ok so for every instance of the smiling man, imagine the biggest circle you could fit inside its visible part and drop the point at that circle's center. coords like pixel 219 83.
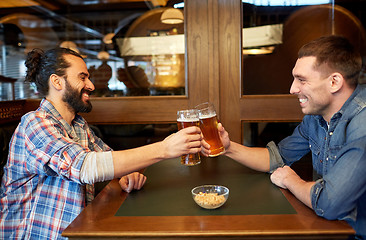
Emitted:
pixel 326 83
pixel 54 156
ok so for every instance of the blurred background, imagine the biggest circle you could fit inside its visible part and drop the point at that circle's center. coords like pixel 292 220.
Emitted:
pixel 150 58
pixel 131 50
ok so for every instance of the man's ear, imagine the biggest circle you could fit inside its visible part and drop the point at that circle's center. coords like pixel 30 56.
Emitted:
pixel 336 82
pixel 56 82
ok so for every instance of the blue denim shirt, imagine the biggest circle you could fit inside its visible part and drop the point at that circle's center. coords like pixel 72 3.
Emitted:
pixel 339 157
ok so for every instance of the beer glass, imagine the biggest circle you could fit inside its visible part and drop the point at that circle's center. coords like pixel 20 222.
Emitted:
pixel 208 125
pixel 187 118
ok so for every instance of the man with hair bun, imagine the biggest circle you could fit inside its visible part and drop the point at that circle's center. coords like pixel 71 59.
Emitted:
pixel 54 156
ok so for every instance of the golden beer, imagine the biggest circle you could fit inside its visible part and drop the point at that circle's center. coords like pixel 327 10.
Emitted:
pixel 188 118
pixel 209 130
pixel 208 125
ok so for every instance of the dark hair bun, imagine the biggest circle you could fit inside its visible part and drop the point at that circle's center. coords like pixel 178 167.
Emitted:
pixel 32 63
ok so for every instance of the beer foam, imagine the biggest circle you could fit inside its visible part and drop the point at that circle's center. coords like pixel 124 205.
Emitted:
pixel 193 119
pixel 204 116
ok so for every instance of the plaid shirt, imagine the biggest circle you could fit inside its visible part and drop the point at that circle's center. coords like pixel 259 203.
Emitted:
pixel 41 192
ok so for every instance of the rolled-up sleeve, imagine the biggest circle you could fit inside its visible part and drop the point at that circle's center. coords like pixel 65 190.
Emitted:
pixel 51 151
pixel 315 192
pixel 335 195
pixel 275 158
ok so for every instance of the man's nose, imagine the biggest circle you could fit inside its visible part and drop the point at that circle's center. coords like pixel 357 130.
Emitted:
pixel 294 89
pixel 90 86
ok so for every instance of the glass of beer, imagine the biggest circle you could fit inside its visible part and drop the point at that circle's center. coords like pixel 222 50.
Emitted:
pixel 208 125
pixel 187 118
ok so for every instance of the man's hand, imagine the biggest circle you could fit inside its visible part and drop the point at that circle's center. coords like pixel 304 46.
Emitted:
pixel 287 178
pixel 132 181
pixel 205 148
pixel 224 136
pixel 185 141
pixel 279 176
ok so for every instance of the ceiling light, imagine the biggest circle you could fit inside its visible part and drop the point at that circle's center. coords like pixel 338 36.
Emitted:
pixel 258 51
pixel 103 55
pixel 69 44
pixel 107 39
pixel 262 39
pixel 172 16
pixel 266 35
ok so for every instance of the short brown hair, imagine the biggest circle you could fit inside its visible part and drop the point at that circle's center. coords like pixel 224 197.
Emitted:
pixel 337 53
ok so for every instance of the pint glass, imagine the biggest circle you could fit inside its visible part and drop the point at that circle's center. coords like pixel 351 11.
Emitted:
pixel 208 125
pixel 187 118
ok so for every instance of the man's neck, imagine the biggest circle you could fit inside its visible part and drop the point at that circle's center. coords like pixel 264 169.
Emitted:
pixel 63 109
pixel 339 100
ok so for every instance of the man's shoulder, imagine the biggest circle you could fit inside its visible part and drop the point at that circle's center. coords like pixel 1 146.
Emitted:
pixel 360 101
pixel 356 105
pixel 356 124
pixel 34 117
pixel 362 93
pixel 360 116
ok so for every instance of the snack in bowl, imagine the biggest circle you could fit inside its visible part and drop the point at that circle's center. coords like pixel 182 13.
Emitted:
pixel 210 196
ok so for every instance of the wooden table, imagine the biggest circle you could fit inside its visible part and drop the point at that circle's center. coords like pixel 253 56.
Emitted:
pixel 164 209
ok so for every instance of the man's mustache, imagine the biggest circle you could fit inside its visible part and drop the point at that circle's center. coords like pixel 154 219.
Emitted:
pixel 86 91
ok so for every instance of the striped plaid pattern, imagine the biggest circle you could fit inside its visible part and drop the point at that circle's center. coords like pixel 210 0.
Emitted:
pixel 41 192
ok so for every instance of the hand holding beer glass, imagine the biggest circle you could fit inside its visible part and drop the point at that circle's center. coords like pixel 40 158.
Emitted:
pixel 188 118
pixel 208 124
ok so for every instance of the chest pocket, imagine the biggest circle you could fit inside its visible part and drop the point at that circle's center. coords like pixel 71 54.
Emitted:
pixel 332 158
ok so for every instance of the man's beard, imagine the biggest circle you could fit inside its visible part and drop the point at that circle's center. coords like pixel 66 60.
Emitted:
pixel 74 99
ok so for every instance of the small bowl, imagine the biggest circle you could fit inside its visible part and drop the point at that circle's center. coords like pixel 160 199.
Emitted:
pixel 210 196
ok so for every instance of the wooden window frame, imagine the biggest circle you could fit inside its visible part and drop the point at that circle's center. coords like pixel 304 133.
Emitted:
pixel 213 73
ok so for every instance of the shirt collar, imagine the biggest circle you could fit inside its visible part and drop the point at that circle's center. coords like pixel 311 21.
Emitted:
pixel 349 100
pixel 48 107
pixel 356 102
pixel 321 121
pixel 347 106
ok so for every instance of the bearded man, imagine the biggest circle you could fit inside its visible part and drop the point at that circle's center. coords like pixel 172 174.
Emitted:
pixel 54 156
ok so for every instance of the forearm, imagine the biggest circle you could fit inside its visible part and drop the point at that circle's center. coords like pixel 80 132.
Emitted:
pixel 185 141
pixel 130 160
pixel 252 157
pixel 300 188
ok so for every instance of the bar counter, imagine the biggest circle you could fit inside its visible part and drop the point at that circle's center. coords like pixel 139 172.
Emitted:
pixel 164 208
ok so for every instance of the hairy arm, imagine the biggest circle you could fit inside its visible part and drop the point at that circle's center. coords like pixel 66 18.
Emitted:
pixel 187 140
pixel 252 157
pixel 286 178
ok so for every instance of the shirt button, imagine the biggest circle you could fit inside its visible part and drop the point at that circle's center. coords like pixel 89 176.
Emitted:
pixel 321 161
pixel 327 159
pixel 331 133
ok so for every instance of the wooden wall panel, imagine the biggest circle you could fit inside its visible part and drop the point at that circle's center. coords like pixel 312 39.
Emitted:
pixel 130 109
pixel 136 110
pixel 230 57
pixel 213 34
pixel 272 108
pixel 214 56
pixel 197 51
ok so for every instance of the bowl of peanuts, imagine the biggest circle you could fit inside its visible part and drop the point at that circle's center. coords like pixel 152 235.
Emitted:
pixel 210 196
